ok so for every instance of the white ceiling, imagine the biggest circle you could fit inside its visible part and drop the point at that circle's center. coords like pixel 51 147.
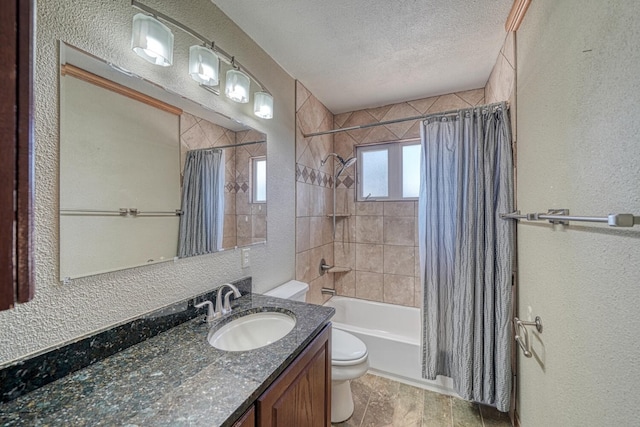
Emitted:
pixel 354 54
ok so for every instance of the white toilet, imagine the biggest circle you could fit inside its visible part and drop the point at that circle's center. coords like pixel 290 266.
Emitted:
pixel 349 357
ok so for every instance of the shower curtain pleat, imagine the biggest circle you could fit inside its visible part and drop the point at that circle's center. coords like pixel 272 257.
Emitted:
pixel 466 252
pixel 201 223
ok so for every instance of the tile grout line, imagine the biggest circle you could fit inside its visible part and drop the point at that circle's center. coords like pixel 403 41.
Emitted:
pixel 451 407
pixel 364 413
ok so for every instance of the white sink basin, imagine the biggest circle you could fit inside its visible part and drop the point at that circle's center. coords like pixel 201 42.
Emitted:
pixel 251 331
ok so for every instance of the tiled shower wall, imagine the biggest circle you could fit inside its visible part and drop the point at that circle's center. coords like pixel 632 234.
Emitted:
pixel 502 87
pixel 244 222
pixel 502 81
pixel 314 235
pixel 377 240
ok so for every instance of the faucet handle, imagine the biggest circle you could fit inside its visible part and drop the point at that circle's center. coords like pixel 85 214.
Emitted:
pixel 226 308
pixel 210 313
pixel 223 309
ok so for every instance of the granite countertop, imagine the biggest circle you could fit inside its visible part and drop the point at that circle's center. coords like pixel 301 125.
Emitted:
pixel 175 378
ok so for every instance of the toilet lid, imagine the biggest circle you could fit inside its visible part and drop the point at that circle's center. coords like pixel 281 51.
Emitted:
pixel 345 347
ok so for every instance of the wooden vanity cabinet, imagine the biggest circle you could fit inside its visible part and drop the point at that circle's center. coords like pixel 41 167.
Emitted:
pixel 248 419
pixel 301 396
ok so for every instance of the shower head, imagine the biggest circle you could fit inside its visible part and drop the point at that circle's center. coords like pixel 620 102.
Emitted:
pixel 348 162
pixel 345 164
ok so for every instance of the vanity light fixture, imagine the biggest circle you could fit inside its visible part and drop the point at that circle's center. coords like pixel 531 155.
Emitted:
pixel 152 40
pixel 237 85
pixel 204 65
pixel 263 105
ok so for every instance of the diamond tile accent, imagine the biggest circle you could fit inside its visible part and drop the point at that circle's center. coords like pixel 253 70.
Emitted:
pixel 244 187
pixel 236 187
pixel 348 181
pixel 312 175
pixel 305 174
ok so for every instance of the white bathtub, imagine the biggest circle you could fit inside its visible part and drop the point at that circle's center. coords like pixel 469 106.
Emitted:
pixel 392 335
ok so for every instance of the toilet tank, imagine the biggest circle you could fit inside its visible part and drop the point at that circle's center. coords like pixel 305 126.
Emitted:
pixel 293 290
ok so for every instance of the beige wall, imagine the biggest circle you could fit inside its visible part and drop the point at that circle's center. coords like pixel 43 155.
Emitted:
pixel 578 92
pixel 61 313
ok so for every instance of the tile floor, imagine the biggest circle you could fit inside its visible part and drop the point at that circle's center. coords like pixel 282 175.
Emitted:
pixel 382 402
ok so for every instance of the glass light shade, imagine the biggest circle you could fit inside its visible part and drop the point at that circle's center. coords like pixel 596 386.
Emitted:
pixel 203 65
pixel 263 105
pixel 237 86
pixel 152 40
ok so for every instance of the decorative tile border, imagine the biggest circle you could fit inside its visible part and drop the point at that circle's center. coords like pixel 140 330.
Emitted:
pixel 29 374
pixel 236 187
pixel 322 179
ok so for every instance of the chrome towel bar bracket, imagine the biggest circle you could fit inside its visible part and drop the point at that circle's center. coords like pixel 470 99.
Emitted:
pixel 523 340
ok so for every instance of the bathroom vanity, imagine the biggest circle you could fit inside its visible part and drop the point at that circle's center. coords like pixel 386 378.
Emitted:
pixel 301 395
pixel 178 378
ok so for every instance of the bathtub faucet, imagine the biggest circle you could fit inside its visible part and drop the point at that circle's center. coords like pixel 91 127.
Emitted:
pixel 328 291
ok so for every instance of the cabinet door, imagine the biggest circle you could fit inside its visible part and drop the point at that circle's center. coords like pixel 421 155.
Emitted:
pixel 16 153
pixel 248 419
pixel 301 396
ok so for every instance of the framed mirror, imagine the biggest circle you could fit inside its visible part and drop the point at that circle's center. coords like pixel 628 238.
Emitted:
pixel 148 176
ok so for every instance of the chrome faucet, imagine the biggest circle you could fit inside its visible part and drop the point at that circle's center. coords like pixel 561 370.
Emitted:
pixel 221 308
pixel 226 307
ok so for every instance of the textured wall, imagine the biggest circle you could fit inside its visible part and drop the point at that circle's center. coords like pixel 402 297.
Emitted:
pixel 578 107
pixel 103 27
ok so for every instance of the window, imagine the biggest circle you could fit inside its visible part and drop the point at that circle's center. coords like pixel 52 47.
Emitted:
pixel 259 179
pixel 389 171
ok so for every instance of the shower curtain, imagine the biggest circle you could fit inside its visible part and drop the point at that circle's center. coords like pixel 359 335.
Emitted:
pixel 201 223
pixel 466 252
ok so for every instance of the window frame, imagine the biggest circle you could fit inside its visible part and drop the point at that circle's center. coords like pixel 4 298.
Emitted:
pixel 394 166
pixel 254 176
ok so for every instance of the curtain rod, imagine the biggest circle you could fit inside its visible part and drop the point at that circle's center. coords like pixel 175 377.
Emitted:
pixel 406 119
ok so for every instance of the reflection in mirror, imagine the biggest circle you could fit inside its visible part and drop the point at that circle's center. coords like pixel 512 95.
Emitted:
pixel 147 175
pixel 245 217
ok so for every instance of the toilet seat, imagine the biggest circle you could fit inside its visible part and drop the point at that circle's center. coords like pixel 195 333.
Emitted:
pixel 347 349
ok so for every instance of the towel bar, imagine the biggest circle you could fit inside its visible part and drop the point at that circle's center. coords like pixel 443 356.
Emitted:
pixel 525 344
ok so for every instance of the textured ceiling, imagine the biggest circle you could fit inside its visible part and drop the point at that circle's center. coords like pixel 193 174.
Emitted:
pixel 354 54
